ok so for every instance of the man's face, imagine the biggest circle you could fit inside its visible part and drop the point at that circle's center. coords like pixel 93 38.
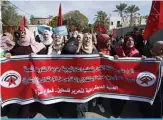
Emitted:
pixel 160 51
pixel 46 35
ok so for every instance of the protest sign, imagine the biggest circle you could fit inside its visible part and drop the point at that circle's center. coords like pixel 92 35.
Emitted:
pixel 52 79
pixel 62 30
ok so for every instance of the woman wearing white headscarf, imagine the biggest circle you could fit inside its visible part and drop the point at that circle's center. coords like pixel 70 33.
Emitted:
pixel 87 45
pixel 27 45
pixel 46 38
pixel 56 47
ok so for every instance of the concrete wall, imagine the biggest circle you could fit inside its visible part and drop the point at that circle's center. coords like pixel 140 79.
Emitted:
pixel 42 21
pixel 123 31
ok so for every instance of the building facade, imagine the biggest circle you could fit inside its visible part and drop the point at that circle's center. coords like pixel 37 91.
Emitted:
pixel 41 21
pixel 116 22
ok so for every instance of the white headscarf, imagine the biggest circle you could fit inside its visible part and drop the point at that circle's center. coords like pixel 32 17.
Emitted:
pixel 30 40
pixel 89 48
pixel 55 48
pixel 49 41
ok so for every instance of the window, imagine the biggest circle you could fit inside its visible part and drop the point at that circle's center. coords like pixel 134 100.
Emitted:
pixel 118 24
pixel 111 23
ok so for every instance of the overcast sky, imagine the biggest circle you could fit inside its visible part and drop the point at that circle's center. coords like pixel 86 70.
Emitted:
pixel 88 8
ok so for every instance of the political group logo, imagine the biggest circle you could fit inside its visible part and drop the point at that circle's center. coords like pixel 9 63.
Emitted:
pixel 10 79
pixel 146 79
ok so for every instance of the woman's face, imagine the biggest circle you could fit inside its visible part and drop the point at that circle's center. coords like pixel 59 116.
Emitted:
pixel 108 43
pixel 57 39
pixel 79 39
pixel 46 35
pixel 22 34
pixel 87 39
pixel 130 42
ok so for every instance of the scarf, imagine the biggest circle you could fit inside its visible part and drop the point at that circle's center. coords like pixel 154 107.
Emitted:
pixel 89 48
pixel 30 40
pixel 6 43
pixel 9 35
pixel 102 46
pixel 49 41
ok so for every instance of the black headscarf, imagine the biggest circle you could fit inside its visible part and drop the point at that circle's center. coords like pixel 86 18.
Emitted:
pixel 70 47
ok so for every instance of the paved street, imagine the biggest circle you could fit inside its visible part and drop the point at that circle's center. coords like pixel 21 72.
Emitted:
pixel 130 110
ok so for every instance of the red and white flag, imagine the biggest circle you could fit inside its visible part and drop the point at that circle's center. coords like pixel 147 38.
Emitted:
pixel 60 16
pixel 155 19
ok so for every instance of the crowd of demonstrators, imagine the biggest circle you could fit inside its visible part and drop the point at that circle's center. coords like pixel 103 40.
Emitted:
pixel 25 42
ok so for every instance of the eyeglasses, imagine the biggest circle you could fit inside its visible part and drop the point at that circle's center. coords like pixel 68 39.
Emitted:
pixel 22 32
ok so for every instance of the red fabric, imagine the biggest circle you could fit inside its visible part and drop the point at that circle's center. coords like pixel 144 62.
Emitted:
pixel 22 25
pixel 102 46
pixel 123 51
pixel 98 28
pixel 131 52
pixel 114 32
pixel 104 30
pixel 119 51
pixel 155 19
pixel 60 16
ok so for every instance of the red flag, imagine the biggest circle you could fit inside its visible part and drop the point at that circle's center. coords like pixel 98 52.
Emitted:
pixel 60 16
pixel 114 32
pixel 98 28
pixel 155 19
pixel 22 25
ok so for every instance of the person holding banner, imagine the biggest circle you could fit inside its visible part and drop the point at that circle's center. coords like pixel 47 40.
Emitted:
pixel 87 48
pixel 128 49
pixel 104 45
pixel 87 45
pixel 105 48
pixel 57 45
pixel 155 110
pixel 27 45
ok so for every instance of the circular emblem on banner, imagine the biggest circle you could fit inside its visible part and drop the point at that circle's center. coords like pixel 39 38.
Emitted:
pixel 146 79
pixel 10 79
